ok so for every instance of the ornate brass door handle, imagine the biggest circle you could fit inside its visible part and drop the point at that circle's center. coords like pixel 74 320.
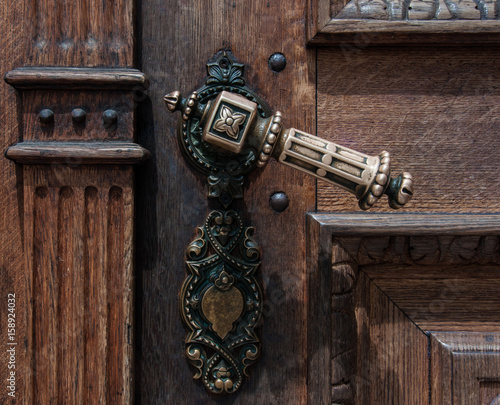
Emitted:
pixel 231 123
pixel 226 131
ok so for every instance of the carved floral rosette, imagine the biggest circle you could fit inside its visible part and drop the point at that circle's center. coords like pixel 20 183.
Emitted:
pixel 221 301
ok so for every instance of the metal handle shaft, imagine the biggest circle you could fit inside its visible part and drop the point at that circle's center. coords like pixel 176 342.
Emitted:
pixel 368 177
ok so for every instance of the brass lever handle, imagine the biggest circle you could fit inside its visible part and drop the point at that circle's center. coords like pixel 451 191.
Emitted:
pixel 230 122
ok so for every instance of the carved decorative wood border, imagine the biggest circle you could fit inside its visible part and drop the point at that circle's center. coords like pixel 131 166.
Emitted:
pixel 360 23
pixel 78 208
pixel 337 245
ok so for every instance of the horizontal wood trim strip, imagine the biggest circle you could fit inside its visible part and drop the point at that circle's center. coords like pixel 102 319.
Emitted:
pixel 419 26
pixel 409 224
pixel 365 32
pixel 76 78
pixel 75 153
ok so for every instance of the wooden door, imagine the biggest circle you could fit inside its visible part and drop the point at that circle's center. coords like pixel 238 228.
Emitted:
pixel 377 308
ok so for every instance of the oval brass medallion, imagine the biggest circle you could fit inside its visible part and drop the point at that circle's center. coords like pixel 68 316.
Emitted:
pixel 222 308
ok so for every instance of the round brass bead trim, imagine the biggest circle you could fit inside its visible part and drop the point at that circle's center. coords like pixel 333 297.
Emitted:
pixel 191 102
pixel 380 184
pixel 273 132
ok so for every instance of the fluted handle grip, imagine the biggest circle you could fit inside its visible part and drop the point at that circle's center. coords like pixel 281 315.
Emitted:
pixel 230 122
pixel 368 177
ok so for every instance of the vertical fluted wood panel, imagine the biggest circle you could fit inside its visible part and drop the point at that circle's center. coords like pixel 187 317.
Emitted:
pixel 70 303
pixel 73 353
pixel 115 283
pixel 80 239
pixel 45 296
pixel 96 305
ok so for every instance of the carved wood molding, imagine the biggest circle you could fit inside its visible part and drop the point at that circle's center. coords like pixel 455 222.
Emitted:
pixel 424 250
pixel 466 368
pixel 103 79
pixel 75 153
pixel 340 243
pixel 344 329
pixel 360 23
pixel 65 118
pixel 78 206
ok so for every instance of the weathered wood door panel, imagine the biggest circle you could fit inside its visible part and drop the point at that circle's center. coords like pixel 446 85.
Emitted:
pixel 414 308
pixel 177 40
pixel 12 278
pixel 67 208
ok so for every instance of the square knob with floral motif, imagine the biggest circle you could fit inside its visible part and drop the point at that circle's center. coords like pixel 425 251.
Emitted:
pixel 229 121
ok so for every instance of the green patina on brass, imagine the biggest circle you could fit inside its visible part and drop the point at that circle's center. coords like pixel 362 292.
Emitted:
pixel 221 301
pixel 224 169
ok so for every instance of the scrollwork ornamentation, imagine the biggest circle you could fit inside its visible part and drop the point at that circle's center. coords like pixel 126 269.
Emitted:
pixel 251 353
pixel 225 187
pixel 196 354
pixel 198 247
pixel 221 302
pixel 250 249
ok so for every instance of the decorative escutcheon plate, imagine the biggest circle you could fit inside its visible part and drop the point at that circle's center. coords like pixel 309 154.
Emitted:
pixel 221 301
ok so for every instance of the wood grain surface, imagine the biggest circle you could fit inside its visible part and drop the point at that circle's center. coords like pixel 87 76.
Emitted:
pixel 434 109
pixel 79 33
pixel 344 329
pixel 76 78
pixel 325 312
pixel 390 291
pixel 177 39
pixel 377 225
pixel 77 153
pixel 73 271
pixel 78 263
pixel 78 252
pixel 443 298
pixel 362 348
pixel 392 360
pixel 12 274
pixel 64 128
